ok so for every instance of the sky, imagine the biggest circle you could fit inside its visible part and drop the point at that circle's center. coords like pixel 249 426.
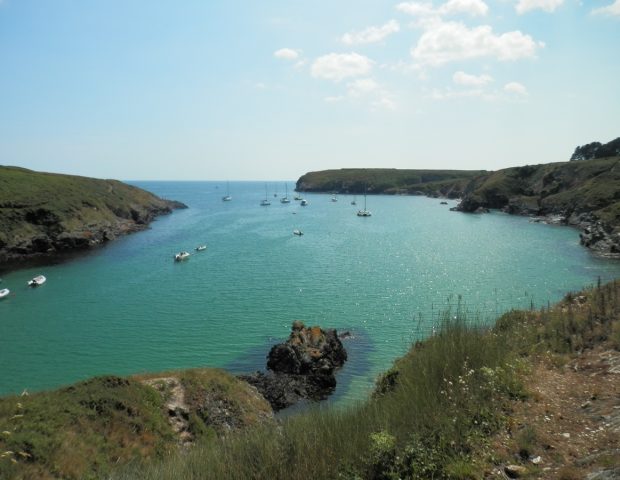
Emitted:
pixel 232 90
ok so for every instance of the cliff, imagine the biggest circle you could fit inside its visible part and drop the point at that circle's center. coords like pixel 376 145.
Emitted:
pixel 44 214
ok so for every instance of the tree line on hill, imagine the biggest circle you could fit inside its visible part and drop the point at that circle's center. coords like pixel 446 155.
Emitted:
pixel 596 150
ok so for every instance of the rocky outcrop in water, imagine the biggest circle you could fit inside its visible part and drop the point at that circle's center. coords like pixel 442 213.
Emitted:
pixel 303 367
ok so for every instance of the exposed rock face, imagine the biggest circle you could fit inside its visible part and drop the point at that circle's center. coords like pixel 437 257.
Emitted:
pixel 303 367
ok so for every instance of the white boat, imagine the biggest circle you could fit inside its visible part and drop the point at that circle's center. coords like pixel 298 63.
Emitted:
pixel 297 232
pixel 265 202
pixel 304 202
pixel 181 256
pixel 36 281
pixel 364 213
pixel 334 198
pixel 4 292
pixel 200 248
pixel 298 197
pixel 227 197
pixel 285 198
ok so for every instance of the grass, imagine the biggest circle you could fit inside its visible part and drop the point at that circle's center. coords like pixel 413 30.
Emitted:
pixel 85 430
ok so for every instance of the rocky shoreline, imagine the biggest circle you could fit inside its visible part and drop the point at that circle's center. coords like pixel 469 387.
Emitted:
pixel 52 241
pixel 302 368
pixel 599 237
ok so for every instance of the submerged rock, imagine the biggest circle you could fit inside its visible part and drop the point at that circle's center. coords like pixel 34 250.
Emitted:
pixel 303 367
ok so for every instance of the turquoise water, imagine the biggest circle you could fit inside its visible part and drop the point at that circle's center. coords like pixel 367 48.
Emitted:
pixel 128 308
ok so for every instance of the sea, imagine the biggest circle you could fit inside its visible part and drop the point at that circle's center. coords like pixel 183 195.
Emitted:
pixel 387 280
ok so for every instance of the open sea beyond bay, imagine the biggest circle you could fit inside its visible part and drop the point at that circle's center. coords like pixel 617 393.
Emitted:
pixel 129 308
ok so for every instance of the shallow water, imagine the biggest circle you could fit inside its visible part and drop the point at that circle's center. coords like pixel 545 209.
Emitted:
pixel 128 308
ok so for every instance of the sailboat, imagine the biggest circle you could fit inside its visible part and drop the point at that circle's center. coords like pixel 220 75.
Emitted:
pixel 334 198
pixel 227 197
pixel 285 198
pixel 265 202
pixel 354 202
pixel 364 213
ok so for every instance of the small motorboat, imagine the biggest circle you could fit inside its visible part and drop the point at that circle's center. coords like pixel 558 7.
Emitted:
pixel 200 248
pixel 298 197
pixel 37 281
pixel 334 198
pixel 181 256
pixel 297 232
pixel 304 202
pixel 4 292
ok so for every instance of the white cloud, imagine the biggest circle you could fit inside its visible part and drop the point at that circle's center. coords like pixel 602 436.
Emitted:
pixel 361 87
pixel 337 66
pixel 474 8
pixel 371 34
pixel 444 42
pixel 613 9
pixel 418 9
pixel 450 94
pixel 547 5
pixel 452 7
pixel 286 54
pixel 462 78
pixel 516 88
pixel 366 91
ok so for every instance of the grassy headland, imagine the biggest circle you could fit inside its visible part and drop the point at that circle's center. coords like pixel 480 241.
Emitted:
pixel 451 408
pixel 45 213
pixel 389 181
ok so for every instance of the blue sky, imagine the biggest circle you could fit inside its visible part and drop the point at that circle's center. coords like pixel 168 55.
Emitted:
pixel 214 89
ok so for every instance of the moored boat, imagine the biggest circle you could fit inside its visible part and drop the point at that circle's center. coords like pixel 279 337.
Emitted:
pixel 181 256
pixel 297 232
pixel 36 281
pixel 304 202
pixel 4 292
pixel 200 248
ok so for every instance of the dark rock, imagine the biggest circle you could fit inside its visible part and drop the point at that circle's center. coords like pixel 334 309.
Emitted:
pixel 303 367
pixel 482 210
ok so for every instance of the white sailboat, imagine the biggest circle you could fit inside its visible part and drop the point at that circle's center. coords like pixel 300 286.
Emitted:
pixel 227 197
pixel 4 292
pixel 285 198
pixel 334 198
pixel 365 212
pixel 265 202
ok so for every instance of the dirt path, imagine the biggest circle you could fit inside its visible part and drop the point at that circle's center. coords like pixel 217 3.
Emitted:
pixel 569 427
pixel 178 411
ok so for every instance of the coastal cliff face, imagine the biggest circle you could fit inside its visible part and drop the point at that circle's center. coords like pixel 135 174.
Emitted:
pixel 584 194
pixel 43 214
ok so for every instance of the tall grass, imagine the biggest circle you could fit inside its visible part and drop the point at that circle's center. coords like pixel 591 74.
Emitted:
pixel 426 415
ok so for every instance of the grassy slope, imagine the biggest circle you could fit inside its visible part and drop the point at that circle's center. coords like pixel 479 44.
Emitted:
pixel 384 180
pixel 434 414
pixel 82 431
pixel 35 203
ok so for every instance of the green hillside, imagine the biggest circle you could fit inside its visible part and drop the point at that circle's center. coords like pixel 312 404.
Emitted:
pixel 45 213
pixel 387 181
